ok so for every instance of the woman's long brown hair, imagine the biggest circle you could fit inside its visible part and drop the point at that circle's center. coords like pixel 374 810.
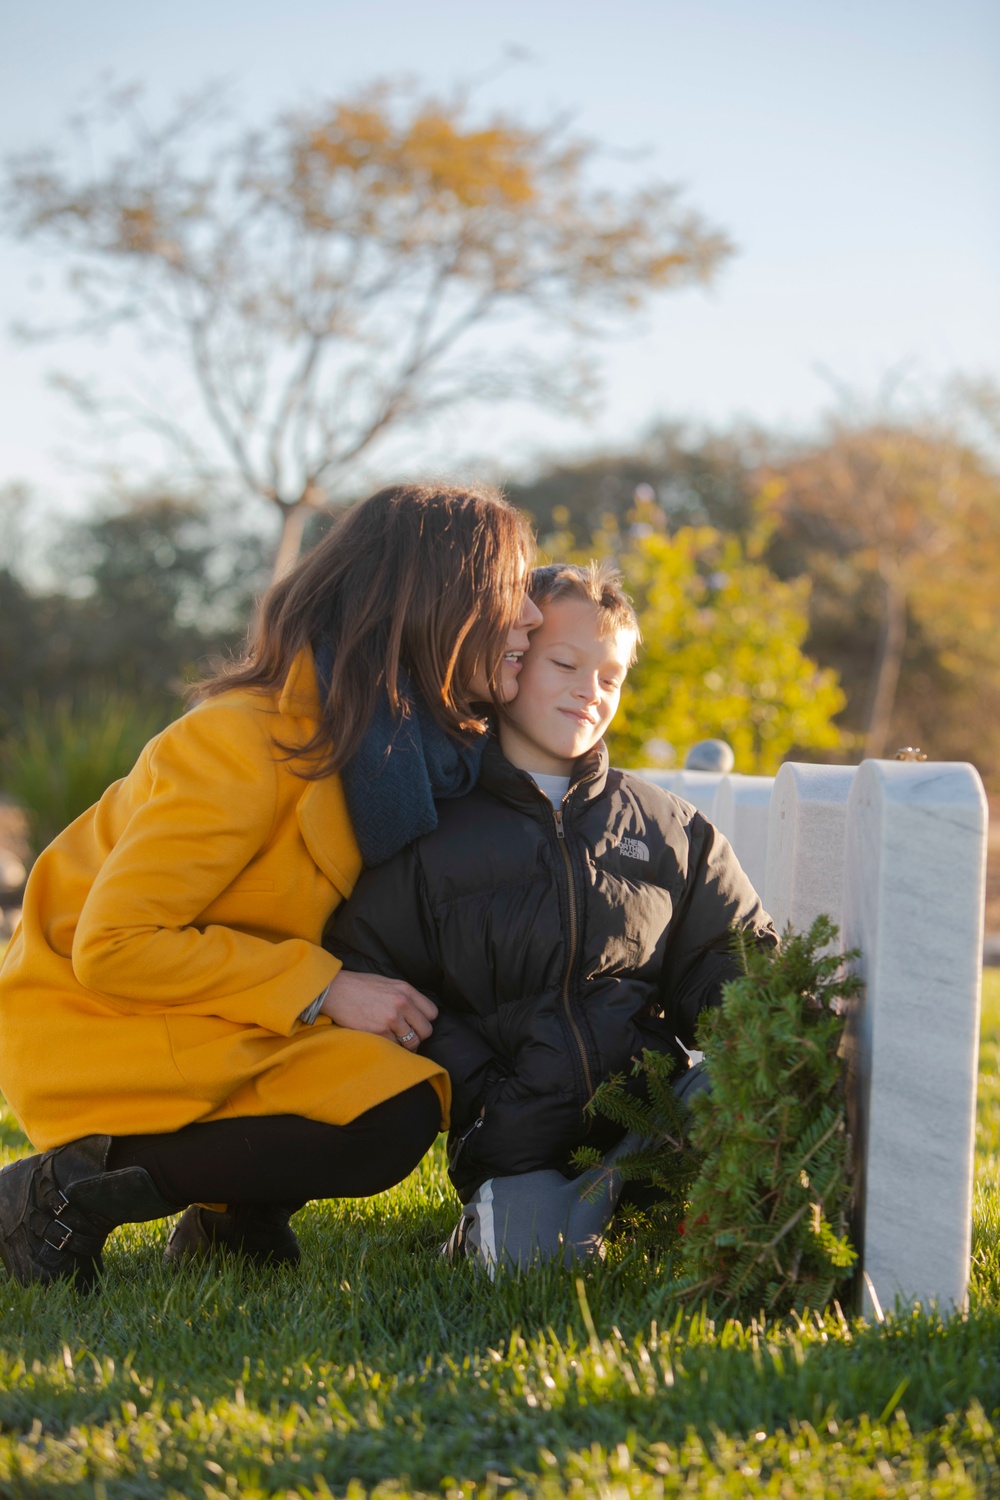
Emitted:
pixel 423 577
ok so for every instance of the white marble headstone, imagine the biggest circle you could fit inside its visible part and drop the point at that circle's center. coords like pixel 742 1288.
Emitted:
pixel 913 903
pixel 742 807
pixel 700 788
pixel 805 844
pixel 667 779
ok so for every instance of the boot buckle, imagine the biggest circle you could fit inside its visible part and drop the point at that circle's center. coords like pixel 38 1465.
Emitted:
pixel 67 1235
pixel 57 1223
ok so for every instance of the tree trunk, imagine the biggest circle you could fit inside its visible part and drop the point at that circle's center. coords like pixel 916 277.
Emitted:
pixel 293 524
pixel 888 664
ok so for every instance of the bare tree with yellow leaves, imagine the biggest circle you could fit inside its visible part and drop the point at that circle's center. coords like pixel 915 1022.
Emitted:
pixel 347 270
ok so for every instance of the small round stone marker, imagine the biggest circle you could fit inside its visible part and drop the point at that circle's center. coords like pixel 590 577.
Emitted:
pixel 710 755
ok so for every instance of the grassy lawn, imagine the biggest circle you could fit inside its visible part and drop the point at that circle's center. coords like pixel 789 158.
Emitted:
pixel 378 1369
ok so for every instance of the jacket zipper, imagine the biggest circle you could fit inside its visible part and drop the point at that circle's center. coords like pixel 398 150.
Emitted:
pixel 459 1145
pixel 561 837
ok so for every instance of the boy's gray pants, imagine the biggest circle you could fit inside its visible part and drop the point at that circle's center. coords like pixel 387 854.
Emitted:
pixel 542 1216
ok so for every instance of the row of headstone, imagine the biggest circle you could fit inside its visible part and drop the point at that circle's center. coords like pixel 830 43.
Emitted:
pixel 895 854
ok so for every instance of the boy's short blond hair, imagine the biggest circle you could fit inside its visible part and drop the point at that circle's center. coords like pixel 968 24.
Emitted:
pixel 598 583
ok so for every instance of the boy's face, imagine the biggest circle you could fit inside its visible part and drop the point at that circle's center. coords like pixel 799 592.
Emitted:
pixel 571 681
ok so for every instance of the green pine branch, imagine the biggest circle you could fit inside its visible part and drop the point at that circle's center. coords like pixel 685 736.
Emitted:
pixel 763 1163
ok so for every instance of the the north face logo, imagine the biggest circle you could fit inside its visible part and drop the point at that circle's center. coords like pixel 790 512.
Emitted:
pixel 634 849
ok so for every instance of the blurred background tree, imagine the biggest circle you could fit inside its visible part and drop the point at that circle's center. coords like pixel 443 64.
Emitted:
pixel 898 524
pixel 144 594
pixel 344 271
pixel 697 477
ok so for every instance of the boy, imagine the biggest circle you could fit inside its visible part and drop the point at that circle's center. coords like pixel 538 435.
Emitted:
pixel 563 916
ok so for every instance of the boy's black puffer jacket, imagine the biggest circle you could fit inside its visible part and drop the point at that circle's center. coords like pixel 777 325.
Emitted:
pixel 554 953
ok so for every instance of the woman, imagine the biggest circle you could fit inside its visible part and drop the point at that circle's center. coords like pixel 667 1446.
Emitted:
pixel 172 1032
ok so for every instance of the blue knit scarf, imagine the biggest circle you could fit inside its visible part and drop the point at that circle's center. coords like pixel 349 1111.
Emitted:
pixel 400 767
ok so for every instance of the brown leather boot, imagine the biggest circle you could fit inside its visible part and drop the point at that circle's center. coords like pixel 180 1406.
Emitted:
pixel 57 1210
pixel 260 1231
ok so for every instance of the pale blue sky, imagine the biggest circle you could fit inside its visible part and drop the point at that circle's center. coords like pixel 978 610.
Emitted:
pixel 850 150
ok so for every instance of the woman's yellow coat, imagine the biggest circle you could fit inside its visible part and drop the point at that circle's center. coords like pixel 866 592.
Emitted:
pixel 171 936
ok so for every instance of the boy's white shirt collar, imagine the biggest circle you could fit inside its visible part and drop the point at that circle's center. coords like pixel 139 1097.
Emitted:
pixel 554 787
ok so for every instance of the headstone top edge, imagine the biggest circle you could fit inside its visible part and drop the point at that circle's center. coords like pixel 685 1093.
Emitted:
pixel 815 783
pixel 958 781
pixel 747 790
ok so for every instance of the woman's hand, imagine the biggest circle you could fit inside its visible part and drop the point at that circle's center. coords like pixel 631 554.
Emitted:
pixel 388 1007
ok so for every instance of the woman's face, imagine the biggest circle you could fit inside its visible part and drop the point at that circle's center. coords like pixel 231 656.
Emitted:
pixel 529 617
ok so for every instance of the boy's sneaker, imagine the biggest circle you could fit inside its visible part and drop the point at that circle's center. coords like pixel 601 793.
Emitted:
pixel 454 1247
pixel 473 1236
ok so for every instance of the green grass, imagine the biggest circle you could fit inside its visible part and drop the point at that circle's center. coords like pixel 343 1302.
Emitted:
pixel 377 1368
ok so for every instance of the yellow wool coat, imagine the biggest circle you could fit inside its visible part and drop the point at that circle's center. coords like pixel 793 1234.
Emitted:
pixel 171 936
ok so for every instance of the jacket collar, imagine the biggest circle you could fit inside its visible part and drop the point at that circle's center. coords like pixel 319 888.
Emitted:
pixel 324 820
pixel 300 694
pixel 503 780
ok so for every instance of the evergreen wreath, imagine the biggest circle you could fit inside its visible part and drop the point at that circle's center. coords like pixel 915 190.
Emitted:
pixel 766 1169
